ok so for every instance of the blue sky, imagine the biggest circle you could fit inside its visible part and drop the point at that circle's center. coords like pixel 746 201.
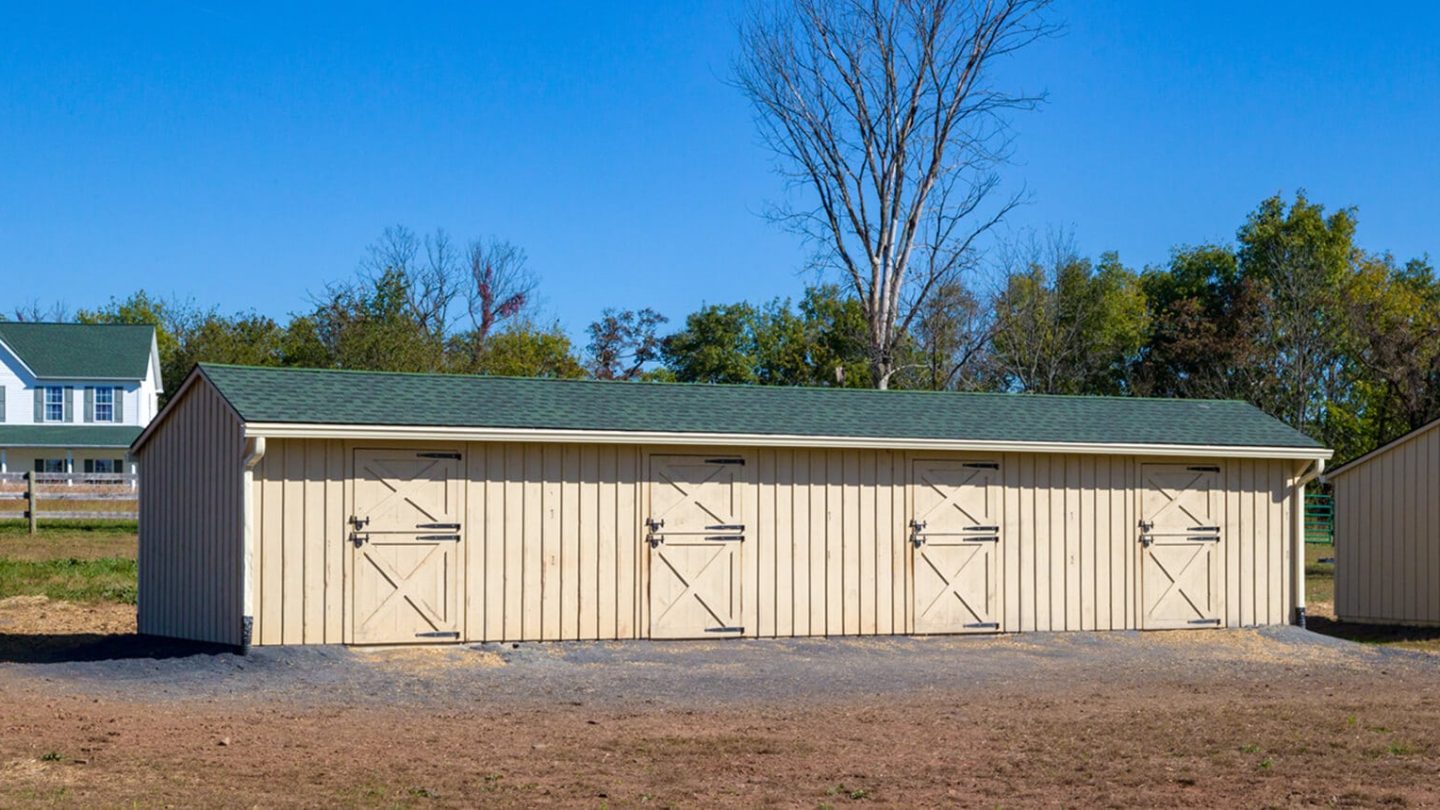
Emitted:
pixel 245 155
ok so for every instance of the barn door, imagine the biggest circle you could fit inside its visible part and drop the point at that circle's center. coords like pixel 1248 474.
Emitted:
pixel 1180 540
pixel 404 540
pixel 696 531
pixel 955 534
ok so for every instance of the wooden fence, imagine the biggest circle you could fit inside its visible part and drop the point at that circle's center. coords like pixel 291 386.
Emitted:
pixel 68 496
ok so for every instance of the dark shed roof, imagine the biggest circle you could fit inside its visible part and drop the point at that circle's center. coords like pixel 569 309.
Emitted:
pixel 81 350
pixel 441 400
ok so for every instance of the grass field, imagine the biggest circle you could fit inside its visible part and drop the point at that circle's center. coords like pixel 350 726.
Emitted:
pixel 92 562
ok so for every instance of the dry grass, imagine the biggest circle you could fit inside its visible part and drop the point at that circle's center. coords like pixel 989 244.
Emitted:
pixel 58 544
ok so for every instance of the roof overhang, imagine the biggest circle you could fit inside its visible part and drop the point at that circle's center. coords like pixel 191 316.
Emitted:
pixel 1359 461
pixel 292 430
pixel 18 359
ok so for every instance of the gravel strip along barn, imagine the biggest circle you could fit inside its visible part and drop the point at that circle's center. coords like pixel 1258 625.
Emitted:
pixel 288 506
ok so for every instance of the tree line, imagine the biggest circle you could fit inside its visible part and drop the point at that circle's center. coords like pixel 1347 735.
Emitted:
pixel 1293 317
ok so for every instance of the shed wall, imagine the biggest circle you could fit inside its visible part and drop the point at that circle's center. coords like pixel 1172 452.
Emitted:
pixel 1387 535
pixel 191 523
pixel 553 544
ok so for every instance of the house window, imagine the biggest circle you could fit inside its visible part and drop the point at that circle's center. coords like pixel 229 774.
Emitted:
pixel 104 405
pixel 50 465
pixel 54 404
pixel 104 465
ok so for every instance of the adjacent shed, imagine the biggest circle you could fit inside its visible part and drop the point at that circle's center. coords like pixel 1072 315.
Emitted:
pixel 1387 532
pixel 305 507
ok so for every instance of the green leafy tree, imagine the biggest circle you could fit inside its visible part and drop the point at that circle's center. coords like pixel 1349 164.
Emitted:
pixel 173 320
pixel 822 342
pixel 1065 326
pixel 520 350
pixel 1301 259
pixel 717 345
pixel 1204 321
pixel 1391 355
pixel 624 343
pixel 369 324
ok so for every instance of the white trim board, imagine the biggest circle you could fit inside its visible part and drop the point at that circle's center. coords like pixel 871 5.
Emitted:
pixel 285 430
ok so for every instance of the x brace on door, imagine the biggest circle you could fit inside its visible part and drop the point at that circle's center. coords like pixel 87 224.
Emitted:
pixel 690 588
pixel 952 498
pixel 689 583
pixel 1175 580
pixel 952 584
pixel 1174 499
pixel 402 586
pixel 688 498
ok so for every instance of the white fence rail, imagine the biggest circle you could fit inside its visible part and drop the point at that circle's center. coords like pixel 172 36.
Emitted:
pixel 75 496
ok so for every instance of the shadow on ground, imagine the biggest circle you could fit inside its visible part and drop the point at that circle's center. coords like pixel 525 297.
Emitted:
pixel 1372 633
pixel 21 648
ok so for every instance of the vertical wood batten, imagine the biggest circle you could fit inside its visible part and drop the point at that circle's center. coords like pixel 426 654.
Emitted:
pixel 1387 535
pixel 189 557
pixel 554 548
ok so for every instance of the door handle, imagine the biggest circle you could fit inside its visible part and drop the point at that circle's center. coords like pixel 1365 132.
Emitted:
pixel 359 539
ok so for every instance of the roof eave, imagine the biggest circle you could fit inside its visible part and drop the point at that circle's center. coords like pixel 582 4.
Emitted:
pixel 297 430
pixel 1361 460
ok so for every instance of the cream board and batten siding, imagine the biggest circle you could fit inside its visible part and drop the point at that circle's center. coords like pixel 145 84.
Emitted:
pixel 1387 533
pixel 191 523
pixel 553 546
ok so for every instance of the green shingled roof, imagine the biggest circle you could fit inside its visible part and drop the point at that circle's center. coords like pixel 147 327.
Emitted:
pixel 68 435
pixel 441 400
pixel 80 351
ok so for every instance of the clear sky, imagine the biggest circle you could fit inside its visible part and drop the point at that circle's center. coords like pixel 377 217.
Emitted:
pixel 245 154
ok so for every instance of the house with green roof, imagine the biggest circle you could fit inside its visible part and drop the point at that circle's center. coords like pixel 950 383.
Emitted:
pixel 308 506
pixel 74 396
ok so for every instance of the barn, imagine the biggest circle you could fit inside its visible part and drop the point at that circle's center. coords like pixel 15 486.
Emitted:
pixel 287 506
pixel 1387 532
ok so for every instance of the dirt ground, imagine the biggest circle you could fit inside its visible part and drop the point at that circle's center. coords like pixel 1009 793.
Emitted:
pixel 1213 718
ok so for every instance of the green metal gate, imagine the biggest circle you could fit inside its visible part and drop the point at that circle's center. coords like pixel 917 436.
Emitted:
pixel 1319 518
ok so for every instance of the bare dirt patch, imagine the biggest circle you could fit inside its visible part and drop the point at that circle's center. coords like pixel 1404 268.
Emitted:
pixel 42 616
pixel 1212 718
pixel 1090 746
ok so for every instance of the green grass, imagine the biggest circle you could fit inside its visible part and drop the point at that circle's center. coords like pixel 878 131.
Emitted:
pixel 1319 577
pixel 68 527
pixel 109 579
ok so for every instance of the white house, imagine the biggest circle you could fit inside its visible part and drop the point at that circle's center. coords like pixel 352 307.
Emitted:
pixel 74 396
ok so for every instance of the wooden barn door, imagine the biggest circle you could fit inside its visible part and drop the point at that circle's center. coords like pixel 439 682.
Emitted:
pixel 955 537
pixel 404 537
pixel 1180 537
pixel 695 530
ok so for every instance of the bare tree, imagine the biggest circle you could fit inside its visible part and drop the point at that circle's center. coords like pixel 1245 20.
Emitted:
pixel 432 272
pixel 886 113
pixel 500 287
pixel 35 312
